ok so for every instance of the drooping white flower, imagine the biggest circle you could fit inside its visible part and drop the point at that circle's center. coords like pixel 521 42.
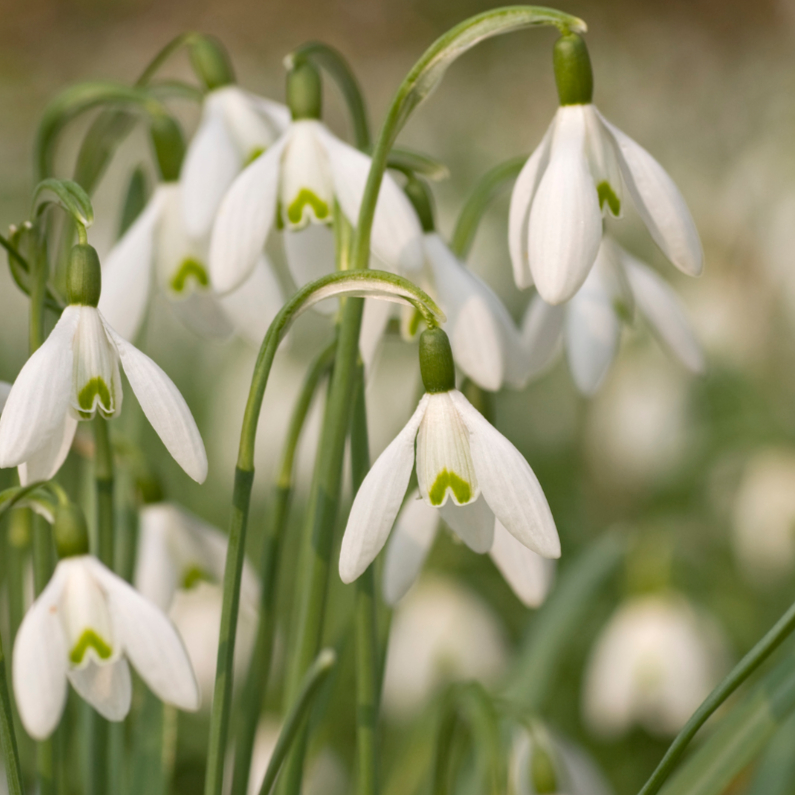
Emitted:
pixel 295 184
pixel 763 516
pixel 590 323
pixel 84 628
pixel 459 456
pixel 529 575
pixel 654 663
pixel 564 766
pixel 585 167
pixel 235 129
pixel 74 375
pixel 441 632
pixel 158 246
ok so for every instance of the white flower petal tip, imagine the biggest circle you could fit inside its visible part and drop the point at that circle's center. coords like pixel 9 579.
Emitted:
pixel 529 575
pixel 378 501
pixel 108 688
pixel 507 483
pixel 409 544
pixel 659 203
pixel 165 408
pixel 473 523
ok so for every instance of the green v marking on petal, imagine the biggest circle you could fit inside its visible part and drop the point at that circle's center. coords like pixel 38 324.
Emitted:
pixel 85 398
pixel 193 576
pixel 253 155
pixel 449 480
pixel 295 212
pixel 189 269
pixel 606 194
pixel 89 640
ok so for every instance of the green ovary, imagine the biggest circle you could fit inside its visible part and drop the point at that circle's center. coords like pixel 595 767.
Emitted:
pixel 89 640
pixel 449 480
pixel 295 212
pixel 189 269
pixel 606 194
pixel 94 388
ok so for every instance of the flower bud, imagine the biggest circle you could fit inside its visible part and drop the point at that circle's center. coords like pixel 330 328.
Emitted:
pixel 169 145
pixel 420 197
pixel 304 91
pixel 436 361
pixel 210 61
pixel 573 73
pixel 70 531
pixel 83 276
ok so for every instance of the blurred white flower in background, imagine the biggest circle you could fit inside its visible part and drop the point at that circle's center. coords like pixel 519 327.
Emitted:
pixel 441 632
pixel 763 516
pixel 653 664
pixel 558 767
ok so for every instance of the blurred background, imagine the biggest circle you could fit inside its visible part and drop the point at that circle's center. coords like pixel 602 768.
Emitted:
pixel 697 471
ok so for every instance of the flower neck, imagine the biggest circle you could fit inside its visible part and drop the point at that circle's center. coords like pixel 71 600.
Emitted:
pixel 436 361
pixel 304 91
pixel 83 276
pixel 573 73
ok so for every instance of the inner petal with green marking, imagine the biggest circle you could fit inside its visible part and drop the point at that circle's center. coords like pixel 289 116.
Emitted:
pixel 305 205
pixel 190 271
pixel 609 197
pixel 90 640
pixel 459 488
pixel 95 394
pixel 193 575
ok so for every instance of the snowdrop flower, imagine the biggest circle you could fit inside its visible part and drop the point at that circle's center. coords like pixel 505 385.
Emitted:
pixel 654 663
pixel 84 628
pixel 590 324
pixel 529 575
pixel 543 762
pixel 75 374
pixel 295 184
pixel 459 456
pixel 440 632
pixel 763 516
pixel 583 168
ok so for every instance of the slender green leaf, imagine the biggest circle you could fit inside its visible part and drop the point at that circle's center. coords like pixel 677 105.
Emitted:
pixel 106 132
pixel 415 163
pixel 775 774
pixel 134 200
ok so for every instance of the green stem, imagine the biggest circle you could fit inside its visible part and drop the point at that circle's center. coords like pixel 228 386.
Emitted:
pixel 8 738
pixel 311 683
pixel 486 190
pixel 154 65
pixel 103 473
pixel 367 645
pixel 331 61
pixel 259 668
pixel 760 652
pixel 18 539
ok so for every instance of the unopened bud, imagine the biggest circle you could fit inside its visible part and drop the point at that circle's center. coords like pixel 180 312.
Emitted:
pixel 83 276
pixel 210 61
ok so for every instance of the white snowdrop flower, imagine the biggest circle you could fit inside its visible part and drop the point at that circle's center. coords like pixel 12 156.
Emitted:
pixel 763 516
pixel 75 374
pixel 529 575
pixel 235 129
pixel 654 663
pixel 589 325
pixel 295 184
pixel 159 247
pixel 543 762
pixel 459 456
pixel 583 168
pixel 440 632
pixel 84 628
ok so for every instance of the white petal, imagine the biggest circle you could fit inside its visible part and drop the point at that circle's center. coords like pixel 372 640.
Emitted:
pixel 244 220
pixel 542 333
pixel 482 334
pixel 310 255
pixel 664 311
pixel 253 123
pixel 592 331
pixel 212 161
pixel 150 642
pixel 521 199
pixel 396 235
pixel 444 461
pixel 165 408
pixel 107 688
pixel 253 306
pixel 508 484
pixel 40 662
pixel 378 500
pixel 96 381
pixel 604 162
pixel 156 576
pixel 473 523
pixel 39 398
pixel 45 463
pixel 276 115
pixel 565 224
pixel 660 204
pixel 529 575
pixel 409 544
pixel 127 271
